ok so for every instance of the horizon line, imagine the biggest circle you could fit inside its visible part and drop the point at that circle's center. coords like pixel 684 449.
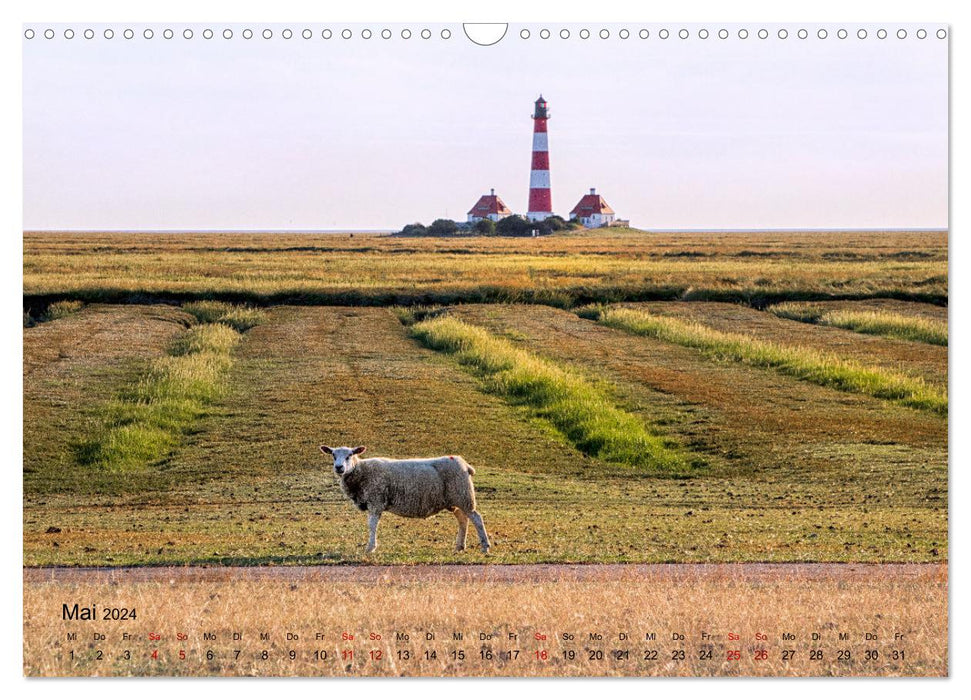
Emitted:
pixel 828 229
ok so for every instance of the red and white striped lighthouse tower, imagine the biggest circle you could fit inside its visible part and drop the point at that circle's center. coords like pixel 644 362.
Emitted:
pixel 540 201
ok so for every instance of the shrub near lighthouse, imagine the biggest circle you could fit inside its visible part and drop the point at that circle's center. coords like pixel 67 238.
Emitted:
pixel 540 198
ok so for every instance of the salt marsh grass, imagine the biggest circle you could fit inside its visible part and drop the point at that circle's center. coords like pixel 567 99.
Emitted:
pixel 60 309
pixel 825 369
pixel 797 311
pixel 147 421
pixel 560 270
pixel 883 323
pixel 241 318
pixel 577 408
pixel 889 325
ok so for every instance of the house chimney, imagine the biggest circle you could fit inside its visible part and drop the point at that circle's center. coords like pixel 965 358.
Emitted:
pixel 593 190
pixel 492 191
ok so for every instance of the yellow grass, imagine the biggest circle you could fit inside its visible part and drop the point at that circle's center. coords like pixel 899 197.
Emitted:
pixel 889 325
pixel 666 601
pixel 146 423
pixel 825 369
pixel 560 270
pixel 884 323
pixel 571 403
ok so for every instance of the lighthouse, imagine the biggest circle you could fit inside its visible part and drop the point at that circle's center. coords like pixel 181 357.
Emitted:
pixel 540 201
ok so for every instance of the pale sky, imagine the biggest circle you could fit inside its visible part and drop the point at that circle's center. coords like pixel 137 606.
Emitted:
pixel 372 134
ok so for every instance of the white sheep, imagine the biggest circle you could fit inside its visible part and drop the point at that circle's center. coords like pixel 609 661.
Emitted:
pixel 412 488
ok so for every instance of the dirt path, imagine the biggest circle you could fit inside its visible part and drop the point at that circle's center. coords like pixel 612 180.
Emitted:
pixel 509 573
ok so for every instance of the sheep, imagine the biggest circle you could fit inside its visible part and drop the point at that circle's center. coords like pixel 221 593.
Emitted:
pixel 412 488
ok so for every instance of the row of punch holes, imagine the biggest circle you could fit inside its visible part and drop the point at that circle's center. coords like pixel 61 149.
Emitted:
pixel 524 33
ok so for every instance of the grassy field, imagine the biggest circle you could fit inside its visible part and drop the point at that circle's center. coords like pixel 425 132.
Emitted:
pixel 144 425
pixel 885 323
pixel 563 270
pixel 787 470
pixel 571 404
pixel 804 363
pixel 551 614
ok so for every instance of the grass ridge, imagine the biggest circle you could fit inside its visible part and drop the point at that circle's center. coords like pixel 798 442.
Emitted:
pixel 568 401
pixel 886 324
pixel 146 423
pixel 824 369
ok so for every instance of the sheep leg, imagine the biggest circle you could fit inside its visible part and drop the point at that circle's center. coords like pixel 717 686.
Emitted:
pixel 480 527
pixel 463 528
pixel 373 517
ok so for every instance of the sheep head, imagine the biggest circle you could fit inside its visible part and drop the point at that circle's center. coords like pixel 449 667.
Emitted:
pixel 345 458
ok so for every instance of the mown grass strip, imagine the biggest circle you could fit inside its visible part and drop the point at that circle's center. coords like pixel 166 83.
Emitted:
pixel 803 363
pixel 883 323
pixel 146 423
pixel 574 406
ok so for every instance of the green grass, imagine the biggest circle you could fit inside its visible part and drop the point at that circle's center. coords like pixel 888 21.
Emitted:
pixel 146 423
pixel 603 266
pixel 60 309
pixel 241 318
pixel 803 363
pixel 572 404
pixel 883 323
pixel 54 311
pixel 796 311
pixel 251 487
pixel 889 325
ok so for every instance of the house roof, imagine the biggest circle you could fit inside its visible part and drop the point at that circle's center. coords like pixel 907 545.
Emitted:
pixel 591 204
pixel 489 204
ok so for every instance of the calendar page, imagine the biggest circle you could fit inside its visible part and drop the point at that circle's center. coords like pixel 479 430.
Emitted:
pixel 461 350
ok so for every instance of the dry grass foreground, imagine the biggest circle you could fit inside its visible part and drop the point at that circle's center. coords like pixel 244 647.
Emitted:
pixel 894 619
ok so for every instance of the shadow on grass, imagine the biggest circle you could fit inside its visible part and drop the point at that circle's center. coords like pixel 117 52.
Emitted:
pixel 562 298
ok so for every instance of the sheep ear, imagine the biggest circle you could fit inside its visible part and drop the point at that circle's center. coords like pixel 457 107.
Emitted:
pixel 326 450
pixel 358 450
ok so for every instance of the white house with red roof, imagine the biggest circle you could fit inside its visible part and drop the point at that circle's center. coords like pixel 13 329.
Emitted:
pixel 592 211
pixel 489 206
